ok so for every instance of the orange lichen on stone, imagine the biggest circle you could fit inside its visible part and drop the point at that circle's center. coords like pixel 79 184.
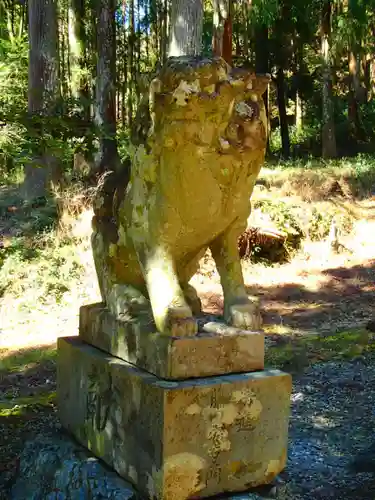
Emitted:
pixel 182 476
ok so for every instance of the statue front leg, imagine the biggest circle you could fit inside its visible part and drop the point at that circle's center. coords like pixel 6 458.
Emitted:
pixel 239 310
pixel 172 315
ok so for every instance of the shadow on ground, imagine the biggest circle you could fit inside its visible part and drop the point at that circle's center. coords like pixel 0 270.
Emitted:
pixel 332 430
pixel 28 391
pixel 20 219
pixel 346 299
pixel 27 372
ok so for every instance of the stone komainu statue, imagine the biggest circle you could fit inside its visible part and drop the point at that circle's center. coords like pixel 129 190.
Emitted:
pixel 197 147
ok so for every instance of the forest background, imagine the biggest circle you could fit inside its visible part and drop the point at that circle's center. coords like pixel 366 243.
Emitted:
pixel 94 57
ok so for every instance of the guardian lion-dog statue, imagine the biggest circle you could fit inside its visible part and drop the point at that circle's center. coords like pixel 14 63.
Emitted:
pixel 198 144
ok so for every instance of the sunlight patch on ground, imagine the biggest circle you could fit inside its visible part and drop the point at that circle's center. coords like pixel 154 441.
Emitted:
pixel 307 267
pixel 26 320
pixel 277 329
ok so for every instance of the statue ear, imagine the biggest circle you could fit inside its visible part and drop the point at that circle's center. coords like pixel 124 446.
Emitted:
pixel 260 83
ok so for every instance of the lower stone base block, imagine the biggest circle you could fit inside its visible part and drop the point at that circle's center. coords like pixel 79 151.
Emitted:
pixel 175 440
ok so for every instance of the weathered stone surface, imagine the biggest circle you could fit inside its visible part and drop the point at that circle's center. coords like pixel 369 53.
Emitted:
pixel 192 175
pixel 218 350
pixel 175 440
pixel 56 468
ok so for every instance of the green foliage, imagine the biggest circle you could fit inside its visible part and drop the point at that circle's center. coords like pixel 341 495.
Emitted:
pixel 22 136
pixel 47 272
pixel 207 32
pixel 285 219
pixel 21 406
pixel 281 215
pixel 314 193
pixel 38 261
pixel 13 76
pixel 13 103
pixel 123 144
pixel 367 113
pixel 264 12
pixel 293 43
pixel 320 224
pixel 302 140
pixel 299 354
pixel 19 361
pixel 363 175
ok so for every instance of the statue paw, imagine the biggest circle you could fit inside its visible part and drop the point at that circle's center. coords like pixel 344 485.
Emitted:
pixel 180 322
pixel 244 314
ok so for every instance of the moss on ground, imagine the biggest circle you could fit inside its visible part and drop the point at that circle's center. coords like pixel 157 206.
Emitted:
pixel 21 406
pixel 18 361
pixel 297 354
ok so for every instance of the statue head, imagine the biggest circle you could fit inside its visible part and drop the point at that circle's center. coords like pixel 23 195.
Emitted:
pixel 225 104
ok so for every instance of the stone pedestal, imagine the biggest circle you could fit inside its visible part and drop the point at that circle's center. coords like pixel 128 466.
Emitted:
pixel 174 439
pixel 217 349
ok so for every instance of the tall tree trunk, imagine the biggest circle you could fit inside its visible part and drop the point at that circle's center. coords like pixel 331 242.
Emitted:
pixel 77 36
pixel 245 15
pixel 222 29
pixel 366 68
pixel 186 28
pixel 371 62
pixel 124 66
pixel 4 35
pixel 355 97
pixel 154 15
pixel 79 65
pixel 284 130
pixel 220 7
pixel 22 20
pixel 63 55
pixel 329 149
pixel 105 112
pixel 131 50
pixel 228 34
pixel 298 58
pixel 7 12
pixel 92 50
pixel 147 36
pixel 164 31
pixel 159 5
pixel 298 111
pixel 68 49
pixel 43 92
pixel 139 45
pixel 262 62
